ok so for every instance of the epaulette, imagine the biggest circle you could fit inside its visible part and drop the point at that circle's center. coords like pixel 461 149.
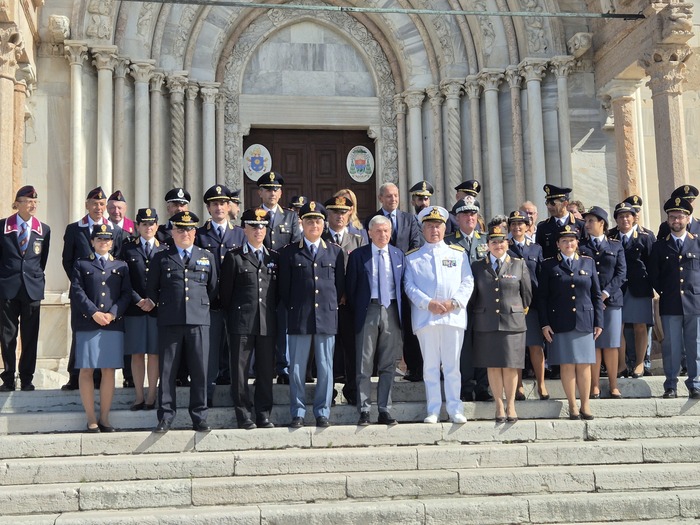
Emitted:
pixel 613 240
pixel 668 237
pixel 415 250
pixel 457 247
pixel 476 235
pixel 111 257
pixel 690 235
pixel 642 232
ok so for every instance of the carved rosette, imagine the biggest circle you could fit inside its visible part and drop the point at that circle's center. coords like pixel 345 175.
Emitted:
pixel 533 69
pixel 665 66
pixel 11 50
pixel 472 87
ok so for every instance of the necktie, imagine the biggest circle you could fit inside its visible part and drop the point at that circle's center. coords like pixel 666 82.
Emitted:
pixel 259 255
pixel 392 217
pixel 625 241
pixel 102 262
pixel 185 258
pixel 272 217
pixel 469 244
pixel 497 266
pixel 596 243
pixel 337 239
pixel 384 298
pixel 312 249
pixel 23 238
pixel 149 251
pixel 220 231
pixel 567 264
pixel 679 245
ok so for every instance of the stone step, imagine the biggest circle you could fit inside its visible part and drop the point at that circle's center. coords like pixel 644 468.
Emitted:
pixel 389 461
pixel 56 400
pixel 674 506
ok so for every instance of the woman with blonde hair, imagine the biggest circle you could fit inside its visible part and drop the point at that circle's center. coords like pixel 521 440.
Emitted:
pixel 354 224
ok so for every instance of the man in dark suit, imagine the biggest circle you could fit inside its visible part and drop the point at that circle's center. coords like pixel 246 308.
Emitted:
pixel 176 200
pixel 182 282
pixel 312 281
pixel 248 291
pixel 688 193
pixel 674 268
pixel 24 250
pixel 338 209
pixel 557 200
pixel 373 289
pixel 77 244
pixel 218 236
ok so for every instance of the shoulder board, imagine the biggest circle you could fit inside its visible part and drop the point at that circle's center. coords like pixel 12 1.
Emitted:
pixel 111 257
pixel 691 236
pixel 323 243
pixel 273 252
pixel 456 247
pixel 415 250
pixel 641 232
pixel 555 258
pixel 476 235
pixel 668 237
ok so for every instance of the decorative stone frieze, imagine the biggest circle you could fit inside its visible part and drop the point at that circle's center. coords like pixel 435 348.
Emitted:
pixel 11 50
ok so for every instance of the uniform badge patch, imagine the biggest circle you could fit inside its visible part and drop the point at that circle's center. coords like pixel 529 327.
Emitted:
pixel 449 263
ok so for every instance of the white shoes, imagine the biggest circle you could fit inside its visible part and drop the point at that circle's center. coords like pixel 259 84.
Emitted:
pixel 459 419
pixel 432 418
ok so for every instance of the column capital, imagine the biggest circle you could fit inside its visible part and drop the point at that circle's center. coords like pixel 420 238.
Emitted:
pixel 75 51
pixel 209 91
pixel 157 79
pixel 11 50
pixel 490 78
pixel 665 64
pixel 104 57
pixel 619 88
pixel 191 90
pixel 177 81
pixel 434 96
pixel 561 65
pixel 579 44
pixel 533 68
pixel 452 88
pixel 472 87
pixel 399 104
pixel 513 77
pixel 141 70
pixel 414 98
pixel 121 68
pixel 222 97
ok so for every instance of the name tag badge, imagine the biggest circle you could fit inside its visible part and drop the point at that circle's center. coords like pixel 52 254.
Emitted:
pixel 449 263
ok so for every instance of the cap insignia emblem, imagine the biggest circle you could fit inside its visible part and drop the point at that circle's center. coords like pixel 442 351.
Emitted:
pixel 547 190
pixel 686 189
pixel 312 206
pixel 425 186
pixel 678 201
pixel 103 228
pixel 148 212
pixel 260 213
pixel 567 228
pixel 340 201
pixel 272 176
pixel 186 217
pixel 218 190
pixel 475 185
pixel 497 230
pixel 181 193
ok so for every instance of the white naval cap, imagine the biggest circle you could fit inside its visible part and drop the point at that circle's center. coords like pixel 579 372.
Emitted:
pixel 433 213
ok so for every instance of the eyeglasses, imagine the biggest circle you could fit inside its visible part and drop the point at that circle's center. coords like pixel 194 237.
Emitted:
pixel 552 202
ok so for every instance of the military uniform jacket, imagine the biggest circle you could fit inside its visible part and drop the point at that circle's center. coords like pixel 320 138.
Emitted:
pixel 28 269
pixel 96 289
pixel 676 276
pixel 531 253
pixel 438 271
pixel 547 230
pixel 77 243
pixel 164 234
pixel 183 295
pixel 569 299
pixel 349 242
pixel 637 253
pixel 248 291
pixel 310 288
pixel 284 230
pixel 500 302
pixel 134 256
pixel 693 227
pixel 611 266
pixel 476 249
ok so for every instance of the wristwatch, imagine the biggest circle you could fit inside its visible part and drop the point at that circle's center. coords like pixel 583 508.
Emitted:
pixel 455 304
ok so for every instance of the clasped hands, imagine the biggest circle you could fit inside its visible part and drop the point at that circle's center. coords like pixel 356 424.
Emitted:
pixel 102 318
pixel 440 307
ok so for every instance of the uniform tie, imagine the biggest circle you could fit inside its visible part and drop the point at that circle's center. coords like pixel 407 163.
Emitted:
pixel 497 266
pixel 625 241
pixel 23 238
pixel 567 264
pixel 220 231
pixel 383 285
pixel 259 255
pixel 312 249
pixel 679 245
pixel 149 251
pixel 185 258
pixel 102 262
pixel 596 243
pixel 337 239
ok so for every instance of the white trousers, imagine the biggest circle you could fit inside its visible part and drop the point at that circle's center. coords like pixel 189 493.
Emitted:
pixel 442 345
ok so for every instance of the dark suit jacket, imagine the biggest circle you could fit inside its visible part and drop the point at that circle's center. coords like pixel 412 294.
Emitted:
pixel 350 241
pixel 637 255
pixel 311 288
pixel 569 299
pixel 358 286
pixel 77 244
pixel 96 289
pixel 500 302
pixel 284 229
pixel 28 269
pixel 182 302
pixel 546 235
pixel 676 276
pixel 248 291
pixel 611 266
pixel 134 256
pixel 407 234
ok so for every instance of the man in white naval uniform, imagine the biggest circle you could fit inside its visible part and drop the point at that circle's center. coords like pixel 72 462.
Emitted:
pixel 439 283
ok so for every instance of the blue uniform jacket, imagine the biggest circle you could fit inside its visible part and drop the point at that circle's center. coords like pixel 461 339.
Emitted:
pixel 208 238
pixel 77 243
pixel 532 254
pixel 96 289
pixel 28 269
pixel 676 276
pixel 569 299
pixel 284 230
pixel 183 295
pixel 134 256
pixel 310 289
pixel 611 266
pixel 546 235
pixel 637 255
pixel 358 285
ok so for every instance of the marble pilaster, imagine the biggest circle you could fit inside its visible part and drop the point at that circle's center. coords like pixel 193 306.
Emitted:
pixel 192 184
pixel 18 134
pixel 156 189
pixel 561 66
pixel 119 145
pixel 141 73
pixel 11 50
pixel 452 90
pixel 208 91
pixel 104 59
pixel 490 80
pixel 473 90
pixel 76 53
pixel 515 81
pixel 400 110
pixel 414 101
pixel 221 138
pixel 176 84
pixel 437 178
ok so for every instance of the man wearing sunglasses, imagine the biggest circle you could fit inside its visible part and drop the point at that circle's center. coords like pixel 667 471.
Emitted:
pixel 557 200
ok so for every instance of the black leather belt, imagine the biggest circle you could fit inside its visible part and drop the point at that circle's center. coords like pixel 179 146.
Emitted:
pixel 376 301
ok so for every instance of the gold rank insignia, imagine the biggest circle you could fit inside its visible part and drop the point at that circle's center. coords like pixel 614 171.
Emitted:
pixel 260 213
pixel 497 230
pixel 516 214
pixel 425 186
pixel 186 217
pixel 103 228
pixel 340 201
pixel 218 190
pixel 148 212
pixel 312 206
pixel 678 200
pixel 434 215
pixel 272 175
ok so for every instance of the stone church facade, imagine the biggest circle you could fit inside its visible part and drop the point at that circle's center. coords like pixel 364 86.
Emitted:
pixel 144 96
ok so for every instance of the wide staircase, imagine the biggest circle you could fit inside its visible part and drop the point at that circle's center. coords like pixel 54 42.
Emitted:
pixel 637 462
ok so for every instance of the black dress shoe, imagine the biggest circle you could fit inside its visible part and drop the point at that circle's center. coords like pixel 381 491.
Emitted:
pixel 247 424
pixel 265 423
pixel 138 406
pixel 105 428
pixel 595 396
pixel 544 397
pixel 27 387
pixel 670 393
pixel 574 417
pixel 636 376
pixel 615 396
pixel 149 406
pixel 483 396
pixel 163 426
pixel 647 372
pixel 93 430
pixel 201 427
pixel 385 418
pixel 210 402
pixel 684 371
pixel 519 396
pixel 364 419
pixel 71 385
pixel 7 387
pixel 297 422
pixel 322 422
pixel 586 417
pixel 694 393
pixel 413 377
pixel 283 379
pixel 466 396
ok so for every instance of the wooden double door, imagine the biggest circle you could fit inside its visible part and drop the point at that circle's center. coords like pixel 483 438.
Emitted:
pixel 313 163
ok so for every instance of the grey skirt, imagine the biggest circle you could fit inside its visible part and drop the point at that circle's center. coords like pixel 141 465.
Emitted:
pixel 99 349
pixel 499 349
pixel 637 310
pixel 572 347
pixel 141 335
pixel 534 335
pixel 612 331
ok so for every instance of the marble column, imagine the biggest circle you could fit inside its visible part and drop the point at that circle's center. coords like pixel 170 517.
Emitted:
pixel 18 134
pixel 621 93
pixel 176 84
pixel 221 138
pixel 490 80
pixel 437 177
pixel 192 181
pixel 515 199
pixel 532 70
pixel 414 101
pixel 561 66
pixel 11 49
pixel 452 90
pixel 400 110
pixel 141 73
pixel 104 59
pixel 76 53
pixel 665 65
pixel 472 88
pixel 156 188
pixel 119 165
pixel 208 90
